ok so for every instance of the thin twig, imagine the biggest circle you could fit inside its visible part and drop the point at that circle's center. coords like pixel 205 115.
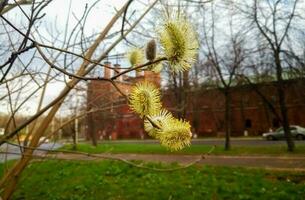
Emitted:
pixel 107 157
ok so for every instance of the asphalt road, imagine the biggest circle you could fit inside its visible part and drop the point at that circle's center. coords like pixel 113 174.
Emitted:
pixel 15 151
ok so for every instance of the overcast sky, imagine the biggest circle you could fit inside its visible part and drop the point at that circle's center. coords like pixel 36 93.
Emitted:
pixel 57 13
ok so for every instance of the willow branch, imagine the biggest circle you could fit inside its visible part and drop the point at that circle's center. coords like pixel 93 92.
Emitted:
pixel 111 157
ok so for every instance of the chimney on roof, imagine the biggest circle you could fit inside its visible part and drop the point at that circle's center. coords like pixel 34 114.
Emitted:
pixel 153 77
pixel 107 70
pixel 117 71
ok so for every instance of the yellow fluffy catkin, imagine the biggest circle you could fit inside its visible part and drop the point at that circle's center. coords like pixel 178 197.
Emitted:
pixel 175 134
pixel 179 43
pixel 135 56
pixel 144 99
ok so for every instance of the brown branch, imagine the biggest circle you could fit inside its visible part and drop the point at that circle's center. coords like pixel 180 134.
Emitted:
pixel 64 71
pixel 9 7
pixel 97 78
pixel 289 23
pixel 139 67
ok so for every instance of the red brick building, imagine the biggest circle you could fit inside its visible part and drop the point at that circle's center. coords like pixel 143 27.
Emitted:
pixel 115 120
pixel 204 108
pixel 249 112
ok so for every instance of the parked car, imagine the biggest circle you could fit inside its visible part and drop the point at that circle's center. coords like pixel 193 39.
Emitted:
pixel 297 132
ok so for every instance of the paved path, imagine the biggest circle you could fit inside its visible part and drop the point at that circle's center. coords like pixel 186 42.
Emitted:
pixel 243 141
pixel 272 162
pixel 267 162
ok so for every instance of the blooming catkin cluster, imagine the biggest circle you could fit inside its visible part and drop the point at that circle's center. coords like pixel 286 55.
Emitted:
pixel 159 123
pixel 179 42
pixel 180 46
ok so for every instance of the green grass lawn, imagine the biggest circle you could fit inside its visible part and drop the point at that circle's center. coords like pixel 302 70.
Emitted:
pixel 193 149
pixel 115 180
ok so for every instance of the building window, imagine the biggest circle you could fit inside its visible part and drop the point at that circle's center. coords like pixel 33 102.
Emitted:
pixel 248 123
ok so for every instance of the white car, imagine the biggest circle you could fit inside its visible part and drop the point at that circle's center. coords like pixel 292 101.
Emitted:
pixel 297 132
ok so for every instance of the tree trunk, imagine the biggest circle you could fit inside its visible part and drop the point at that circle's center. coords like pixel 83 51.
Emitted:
pixel 91 129
pixel 9 181
pixel 74 144
pixel 227 118
pixel 93 138
pixel 185 90
pixel 180 96
pixel 282 102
